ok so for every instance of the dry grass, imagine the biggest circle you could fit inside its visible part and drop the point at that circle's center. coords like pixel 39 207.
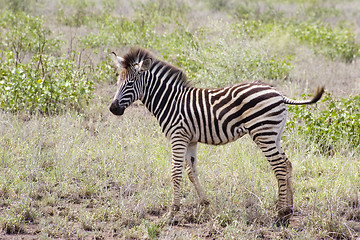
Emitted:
pixel 310 71
pixel 100 176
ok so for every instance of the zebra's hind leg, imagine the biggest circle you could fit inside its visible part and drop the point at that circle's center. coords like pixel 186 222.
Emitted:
pixel 192 173
pixel 285 207
pixel 283 173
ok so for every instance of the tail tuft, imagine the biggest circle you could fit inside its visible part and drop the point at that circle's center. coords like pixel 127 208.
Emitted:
pixel 319 92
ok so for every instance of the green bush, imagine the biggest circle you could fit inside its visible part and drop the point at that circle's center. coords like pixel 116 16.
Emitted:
pixel 79 12
pixel 336 126
pixel 225 63
pixel 105 73
pixel 333 43
pixel 137 30
pixel 46 85
pixel 163 10
pixel 24 34
pixel 18 5
pixel 210 62
pixel 252 10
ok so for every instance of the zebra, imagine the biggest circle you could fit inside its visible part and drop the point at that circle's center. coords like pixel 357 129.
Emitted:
pixel 188 115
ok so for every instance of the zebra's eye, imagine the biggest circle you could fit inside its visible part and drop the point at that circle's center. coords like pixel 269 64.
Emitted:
pixel 130 82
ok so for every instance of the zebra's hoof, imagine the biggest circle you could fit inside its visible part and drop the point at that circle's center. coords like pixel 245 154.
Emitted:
pixel 284 216
pixel 175 208
pixel 173 218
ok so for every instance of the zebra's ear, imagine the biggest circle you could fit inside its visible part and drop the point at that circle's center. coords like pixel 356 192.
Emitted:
pixel 145 64
pixel 117 60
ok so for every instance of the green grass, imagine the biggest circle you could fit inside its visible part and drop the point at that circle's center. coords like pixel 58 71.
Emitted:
pixel 80 172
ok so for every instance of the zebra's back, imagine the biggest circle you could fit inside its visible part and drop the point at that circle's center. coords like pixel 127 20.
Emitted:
pixel 219 116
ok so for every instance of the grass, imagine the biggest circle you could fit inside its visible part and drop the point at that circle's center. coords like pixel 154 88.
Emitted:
pixel 87 174
pixel 82 176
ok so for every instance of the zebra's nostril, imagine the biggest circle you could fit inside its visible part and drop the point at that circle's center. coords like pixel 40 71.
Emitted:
pixel 114 105
pixel 116 109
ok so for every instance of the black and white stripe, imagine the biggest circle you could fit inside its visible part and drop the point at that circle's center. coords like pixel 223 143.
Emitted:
pixel 188 115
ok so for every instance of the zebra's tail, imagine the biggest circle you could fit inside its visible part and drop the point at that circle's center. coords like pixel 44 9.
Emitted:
pixel 317 96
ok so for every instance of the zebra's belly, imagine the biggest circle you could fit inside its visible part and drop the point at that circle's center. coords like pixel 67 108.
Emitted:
pixel 219 132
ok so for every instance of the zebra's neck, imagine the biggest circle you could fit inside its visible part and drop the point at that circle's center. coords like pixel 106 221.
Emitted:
pixel 165 85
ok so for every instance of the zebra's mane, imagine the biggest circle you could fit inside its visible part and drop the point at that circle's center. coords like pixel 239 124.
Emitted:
pixel 135 55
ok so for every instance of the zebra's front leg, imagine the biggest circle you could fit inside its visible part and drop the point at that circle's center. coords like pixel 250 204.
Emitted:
pixel 179 149
pixel 192 173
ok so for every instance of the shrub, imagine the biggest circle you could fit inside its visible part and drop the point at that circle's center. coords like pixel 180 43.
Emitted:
pixel 226 63
pixel 46 85
pixel 335 127
pixel 104 72
pixel 18 5
pixel 23 34
pixel 251 10
pixel 163 10
pixel 78 15
pixel 333 43
pixel 137 30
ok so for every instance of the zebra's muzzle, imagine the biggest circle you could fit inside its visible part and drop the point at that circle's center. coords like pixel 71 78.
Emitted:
pixel 116 108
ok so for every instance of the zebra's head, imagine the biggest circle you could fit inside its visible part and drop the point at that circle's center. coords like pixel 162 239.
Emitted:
pixel 131 81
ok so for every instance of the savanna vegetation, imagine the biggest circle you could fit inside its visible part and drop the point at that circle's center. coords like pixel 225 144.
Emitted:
pixel 71 170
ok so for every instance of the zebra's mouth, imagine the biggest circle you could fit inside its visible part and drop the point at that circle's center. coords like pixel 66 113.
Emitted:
pixel 116 108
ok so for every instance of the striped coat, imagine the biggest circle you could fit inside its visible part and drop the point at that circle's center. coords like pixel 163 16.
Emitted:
pixel 188 115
